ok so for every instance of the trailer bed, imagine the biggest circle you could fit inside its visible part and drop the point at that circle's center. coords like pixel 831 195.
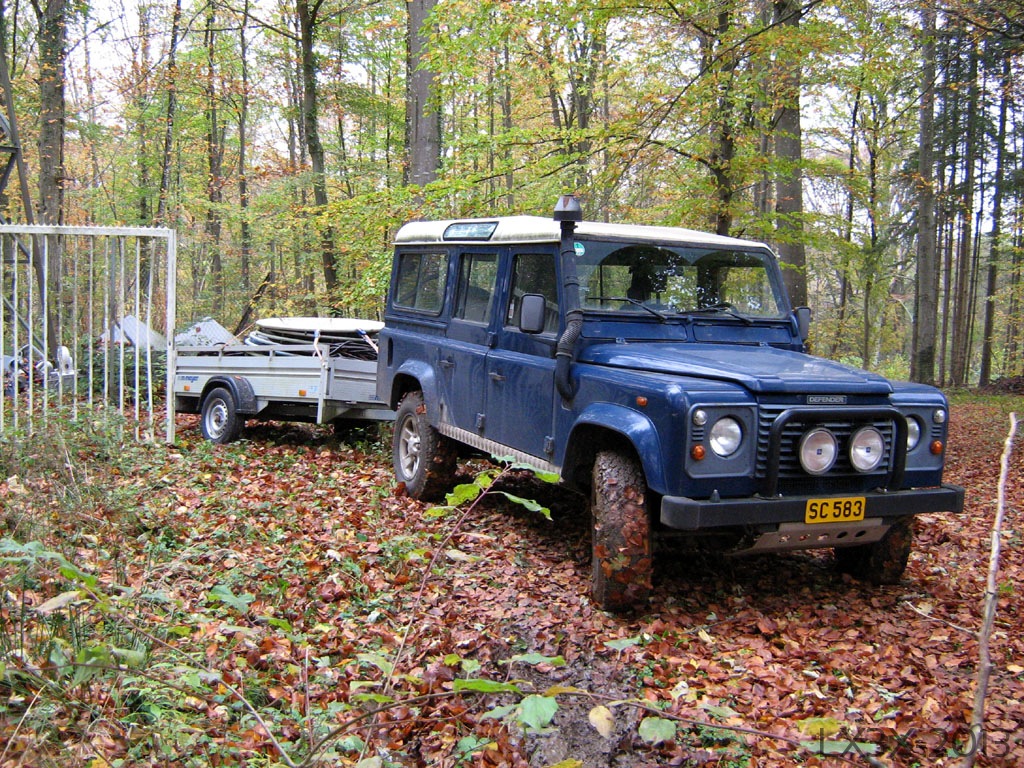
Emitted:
pixel 289 382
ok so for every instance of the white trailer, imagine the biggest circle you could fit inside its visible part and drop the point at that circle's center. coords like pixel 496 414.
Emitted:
pixel 320 382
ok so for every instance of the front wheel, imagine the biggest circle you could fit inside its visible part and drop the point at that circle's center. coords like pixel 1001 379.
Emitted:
pixel 221 422
pixel 621 564
pixel 423 458
pixel 882 561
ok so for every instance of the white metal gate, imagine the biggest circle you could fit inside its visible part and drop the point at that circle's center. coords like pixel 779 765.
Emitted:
pixel 86 322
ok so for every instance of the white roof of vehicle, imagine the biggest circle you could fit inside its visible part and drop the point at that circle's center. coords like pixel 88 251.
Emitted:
pixel 534 229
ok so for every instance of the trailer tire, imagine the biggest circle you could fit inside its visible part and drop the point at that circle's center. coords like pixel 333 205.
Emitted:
pixel 220 420
pixel 423 458
pixel 621 561
pixel 883 561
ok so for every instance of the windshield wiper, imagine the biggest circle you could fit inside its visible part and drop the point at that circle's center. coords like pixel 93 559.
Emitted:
pixel 636 302
pixel 722 307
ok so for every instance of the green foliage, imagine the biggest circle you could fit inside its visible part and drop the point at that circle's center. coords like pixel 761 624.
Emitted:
pixel 239 603
pixel 657 730
pixel 536 712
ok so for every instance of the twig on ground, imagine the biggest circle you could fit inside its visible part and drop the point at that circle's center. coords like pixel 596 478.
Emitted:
pixel 991 599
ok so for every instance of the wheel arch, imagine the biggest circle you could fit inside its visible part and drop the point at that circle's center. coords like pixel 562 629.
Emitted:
pixel 411 376
pixel 239 387
pixel 607 426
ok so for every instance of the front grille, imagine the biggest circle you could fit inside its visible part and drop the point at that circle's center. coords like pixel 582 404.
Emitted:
pixel 778 461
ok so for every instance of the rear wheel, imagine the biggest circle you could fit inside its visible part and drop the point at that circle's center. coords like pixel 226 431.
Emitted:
pixel 621 564
pixel 221 422
pixel 882 561
pixel 423 458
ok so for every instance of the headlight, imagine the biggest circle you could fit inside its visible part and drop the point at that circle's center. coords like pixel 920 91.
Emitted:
pixel 818 449
pixel 913 433
pixel 726 436
pixel 867 447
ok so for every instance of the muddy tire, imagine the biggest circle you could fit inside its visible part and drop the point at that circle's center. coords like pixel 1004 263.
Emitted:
pixel 424 459
pixel 220 420
pixel 621 563
pixel 882 562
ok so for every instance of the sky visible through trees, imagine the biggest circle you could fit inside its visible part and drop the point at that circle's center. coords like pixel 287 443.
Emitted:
pixel 276 138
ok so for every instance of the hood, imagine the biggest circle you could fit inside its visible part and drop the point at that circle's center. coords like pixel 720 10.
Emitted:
pixel 758 369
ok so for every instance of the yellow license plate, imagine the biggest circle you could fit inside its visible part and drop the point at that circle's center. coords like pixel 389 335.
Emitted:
pixel 842 510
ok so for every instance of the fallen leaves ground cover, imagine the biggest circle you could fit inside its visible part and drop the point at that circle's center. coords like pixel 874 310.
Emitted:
pixel 274 602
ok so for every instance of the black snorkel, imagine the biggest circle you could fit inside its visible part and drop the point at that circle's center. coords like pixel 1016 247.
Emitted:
pixel 567 213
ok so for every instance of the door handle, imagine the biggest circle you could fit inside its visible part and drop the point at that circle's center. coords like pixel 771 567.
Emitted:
pixel 495 376
pixel 446 363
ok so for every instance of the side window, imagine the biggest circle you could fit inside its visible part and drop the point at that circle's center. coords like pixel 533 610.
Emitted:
pixel 534 273
pixel 478 274
pixel 422 279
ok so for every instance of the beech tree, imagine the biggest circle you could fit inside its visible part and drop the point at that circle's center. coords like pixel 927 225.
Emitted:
pixel 895 199
pixel 422 115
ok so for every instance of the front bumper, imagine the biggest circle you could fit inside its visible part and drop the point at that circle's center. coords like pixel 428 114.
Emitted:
pixel 686 514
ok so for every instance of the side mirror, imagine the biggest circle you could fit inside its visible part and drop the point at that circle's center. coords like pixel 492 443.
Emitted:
pixel 532 309
pixel 803 322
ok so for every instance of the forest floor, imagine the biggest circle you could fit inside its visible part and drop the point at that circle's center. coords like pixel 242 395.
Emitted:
pixel 274 602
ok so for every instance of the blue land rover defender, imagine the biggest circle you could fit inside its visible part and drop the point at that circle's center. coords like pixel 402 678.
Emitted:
pixel 663 372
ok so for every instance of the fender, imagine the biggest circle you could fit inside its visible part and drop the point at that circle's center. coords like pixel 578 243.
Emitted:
pixel 423 373
pixel 240 389
pixel 635 427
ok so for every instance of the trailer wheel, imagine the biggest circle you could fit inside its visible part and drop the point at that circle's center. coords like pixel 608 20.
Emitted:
pixel 221 422
pixel 882 561
pixel 423 458
pixel 621 563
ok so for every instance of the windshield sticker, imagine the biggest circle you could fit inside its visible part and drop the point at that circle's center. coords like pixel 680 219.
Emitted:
pixel 580 249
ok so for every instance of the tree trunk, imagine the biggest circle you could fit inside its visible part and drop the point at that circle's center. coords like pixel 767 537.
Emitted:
pixel 506 123
pixel 844 265
pixel 422 115
pixel 723 130
pixel 52 55
pixel 961 346
pixel 926 297
pixel 310 119
pixel 52 17
pixel 994 234
pixel 214 159
pixel 789 204
pixel 140 68
pixel 245 235
pixel 171 85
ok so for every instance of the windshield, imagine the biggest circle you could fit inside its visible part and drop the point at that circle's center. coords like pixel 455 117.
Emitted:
pixel 670 279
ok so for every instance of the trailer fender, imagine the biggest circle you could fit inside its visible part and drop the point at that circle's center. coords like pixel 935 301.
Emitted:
pixel 240 389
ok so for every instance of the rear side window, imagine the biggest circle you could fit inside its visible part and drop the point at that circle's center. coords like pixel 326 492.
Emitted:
pixel 421 281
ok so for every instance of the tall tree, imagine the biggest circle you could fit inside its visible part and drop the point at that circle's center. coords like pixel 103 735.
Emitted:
pixel 963 314
pixel 214 155
pixel 789 204
pixel 926 296
pixel 171 87
pixel 422 113
pixel 53 19
pixel 999 183
pixel 309 20
pixel 245 235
